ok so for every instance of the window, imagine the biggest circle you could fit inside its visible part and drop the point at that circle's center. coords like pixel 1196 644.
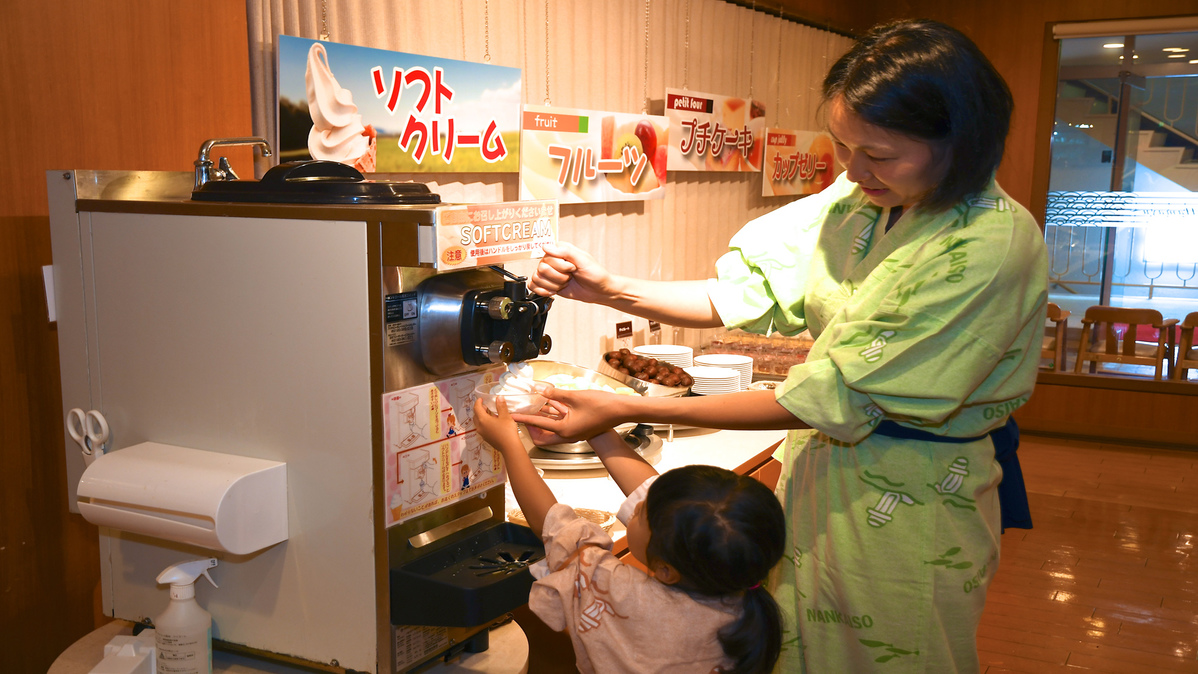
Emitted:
pixel 1122 217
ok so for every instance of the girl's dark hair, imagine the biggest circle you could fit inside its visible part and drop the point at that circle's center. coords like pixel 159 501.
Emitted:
pixel 723 533
pixel 928 81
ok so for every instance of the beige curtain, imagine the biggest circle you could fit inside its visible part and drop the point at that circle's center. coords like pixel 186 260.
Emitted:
pixel 592 54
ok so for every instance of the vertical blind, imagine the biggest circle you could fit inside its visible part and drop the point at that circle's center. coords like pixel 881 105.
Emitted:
pixel 593 56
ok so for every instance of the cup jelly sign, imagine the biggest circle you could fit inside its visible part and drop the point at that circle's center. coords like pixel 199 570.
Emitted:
pixel 390 112
pixel 797 162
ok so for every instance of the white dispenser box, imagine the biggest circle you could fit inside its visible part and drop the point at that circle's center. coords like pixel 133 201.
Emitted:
pixel 222 502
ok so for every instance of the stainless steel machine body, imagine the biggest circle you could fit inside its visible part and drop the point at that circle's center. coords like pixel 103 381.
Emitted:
pixel 271 331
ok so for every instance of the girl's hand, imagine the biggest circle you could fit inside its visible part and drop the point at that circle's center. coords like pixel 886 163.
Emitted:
pixel 573 274
pixel 499 430
pixel 533 495
pixel 578 415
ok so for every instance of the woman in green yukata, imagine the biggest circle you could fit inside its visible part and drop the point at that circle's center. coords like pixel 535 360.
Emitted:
pixel 924 286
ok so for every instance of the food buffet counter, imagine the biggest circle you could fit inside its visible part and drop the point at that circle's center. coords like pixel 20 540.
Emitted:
pixel 742 451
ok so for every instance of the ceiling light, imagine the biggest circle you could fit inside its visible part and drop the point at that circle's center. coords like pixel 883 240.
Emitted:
pixel 1176 49
pixel 1176 56
pixel 1193 60
pixel 1113 45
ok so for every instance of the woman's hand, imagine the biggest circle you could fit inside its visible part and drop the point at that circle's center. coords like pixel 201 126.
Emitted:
pixel 541 437
pixel 572 273
pixel 578 415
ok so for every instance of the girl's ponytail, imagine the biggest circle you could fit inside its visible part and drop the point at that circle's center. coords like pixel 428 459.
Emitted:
pixel 754 641
pixel 723 533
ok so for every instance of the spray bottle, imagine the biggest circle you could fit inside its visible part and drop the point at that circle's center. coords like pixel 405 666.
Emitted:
pixel 183 632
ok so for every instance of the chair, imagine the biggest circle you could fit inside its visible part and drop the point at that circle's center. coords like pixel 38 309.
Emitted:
pixel 1054 347
pixel 1107 348
pixel 1187 354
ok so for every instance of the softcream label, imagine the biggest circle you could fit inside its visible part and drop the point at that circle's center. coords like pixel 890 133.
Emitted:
pixel 475 235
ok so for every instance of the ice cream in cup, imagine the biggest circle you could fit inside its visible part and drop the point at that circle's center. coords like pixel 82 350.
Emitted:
pixel 520 391
pixel 337 131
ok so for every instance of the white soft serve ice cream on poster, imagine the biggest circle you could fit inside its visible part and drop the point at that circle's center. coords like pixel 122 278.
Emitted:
pixel 337 132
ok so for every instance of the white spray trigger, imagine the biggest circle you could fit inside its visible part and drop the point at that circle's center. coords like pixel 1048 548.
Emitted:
pixel 186 573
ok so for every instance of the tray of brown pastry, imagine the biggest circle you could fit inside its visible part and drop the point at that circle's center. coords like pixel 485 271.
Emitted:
pixel 647 376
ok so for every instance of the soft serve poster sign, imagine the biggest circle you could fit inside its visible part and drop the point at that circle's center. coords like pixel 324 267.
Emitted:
pixel 391 112
pixel 580 156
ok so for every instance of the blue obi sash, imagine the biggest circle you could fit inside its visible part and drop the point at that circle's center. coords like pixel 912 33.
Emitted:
pixel 1012 493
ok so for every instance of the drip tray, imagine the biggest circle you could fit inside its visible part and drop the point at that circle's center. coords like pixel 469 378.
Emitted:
pixel 643 441
pixel 468 582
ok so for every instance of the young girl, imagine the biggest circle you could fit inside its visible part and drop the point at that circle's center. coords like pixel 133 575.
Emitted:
pixel 707 535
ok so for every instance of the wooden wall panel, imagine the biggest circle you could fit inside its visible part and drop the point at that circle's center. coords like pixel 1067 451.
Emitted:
pixel 1109 414
pixel 125 84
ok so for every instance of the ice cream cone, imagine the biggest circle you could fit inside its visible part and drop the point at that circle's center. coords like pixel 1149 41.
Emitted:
pixel 396 507
pixel 368 161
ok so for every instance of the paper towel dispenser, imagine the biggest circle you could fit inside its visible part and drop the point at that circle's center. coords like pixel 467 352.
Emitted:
pixel 223 502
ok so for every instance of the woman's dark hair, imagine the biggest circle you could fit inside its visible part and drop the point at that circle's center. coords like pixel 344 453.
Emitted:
pixel 928 81
pixel 723 533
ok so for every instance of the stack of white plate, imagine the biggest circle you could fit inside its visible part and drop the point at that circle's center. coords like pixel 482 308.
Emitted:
pixel 674 354
pixel 710 381
pixel 732 361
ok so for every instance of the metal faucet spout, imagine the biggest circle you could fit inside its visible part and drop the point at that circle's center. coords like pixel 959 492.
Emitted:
pixel 204 170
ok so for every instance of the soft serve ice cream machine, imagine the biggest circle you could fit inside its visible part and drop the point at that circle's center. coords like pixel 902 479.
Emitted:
pixel 286 368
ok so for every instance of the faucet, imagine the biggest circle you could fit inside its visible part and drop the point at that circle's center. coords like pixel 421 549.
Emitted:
pixel 204 169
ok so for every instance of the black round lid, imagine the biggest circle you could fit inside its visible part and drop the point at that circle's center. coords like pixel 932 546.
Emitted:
pixel 315 182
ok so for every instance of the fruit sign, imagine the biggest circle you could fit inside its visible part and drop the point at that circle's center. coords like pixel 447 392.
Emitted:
pixel 797 162
pixel 714 133
pixel 583 156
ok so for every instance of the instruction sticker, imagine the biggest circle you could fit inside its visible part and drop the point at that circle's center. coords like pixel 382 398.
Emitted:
pixel 434 455
pixel 399 316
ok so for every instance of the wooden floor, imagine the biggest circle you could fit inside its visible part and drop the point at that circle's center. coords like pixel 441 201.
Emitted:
pixel 1107 581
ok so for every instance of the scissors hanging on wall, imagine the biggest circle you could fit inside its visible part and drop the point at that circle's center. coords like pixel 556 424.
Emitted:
pixel 90 431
